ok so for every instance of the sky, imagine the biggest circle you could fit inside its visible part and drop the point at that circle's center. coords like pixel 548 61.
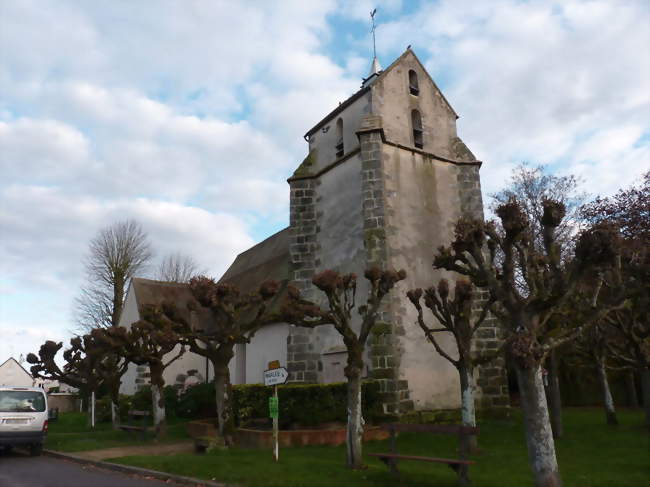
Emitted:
pixel 188 116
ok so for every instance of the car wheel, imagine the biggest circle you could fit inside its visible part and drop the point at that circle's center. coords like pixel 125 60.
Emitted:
pixel 36 449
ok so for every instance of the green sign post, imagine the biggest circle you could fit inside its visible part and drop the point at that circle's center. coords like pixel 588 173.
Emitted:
pixel 273 407
pixel 272 377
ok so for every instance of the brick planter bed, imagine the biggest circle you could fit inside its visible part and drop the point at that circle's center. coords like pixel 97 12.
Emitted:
pixel 257 438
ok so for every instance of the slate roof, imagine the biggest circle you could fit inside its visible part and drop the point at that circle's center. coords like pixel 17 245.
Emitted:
pixel 268 259
pixel 154 293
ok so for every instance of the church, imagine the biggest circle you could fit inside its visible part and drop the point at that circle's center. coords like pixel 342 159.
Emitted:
pixel 383 183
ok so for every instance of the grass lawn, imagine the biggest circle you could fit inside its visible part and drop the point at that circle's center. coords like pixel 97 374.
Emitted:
pixel 591 454
pixel 70 433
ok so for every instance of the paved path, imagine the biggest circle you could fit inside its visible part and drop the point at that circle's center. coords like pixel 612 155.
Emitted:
pixel 127 451
pixel 17 469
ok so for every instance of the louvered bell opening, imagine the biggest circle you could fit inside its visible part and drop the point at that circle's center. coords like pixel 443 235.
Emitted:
pixel 339 148
pixel 414 90
pixel 418 139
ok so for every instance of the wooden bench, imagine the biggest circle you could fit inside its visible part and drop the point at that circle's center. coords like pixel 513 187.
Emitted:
pixel 460 466
pixel 136 417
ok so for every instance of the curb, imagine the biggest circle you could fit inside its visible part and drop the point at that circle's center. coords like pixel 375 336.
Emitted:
pixel 179 479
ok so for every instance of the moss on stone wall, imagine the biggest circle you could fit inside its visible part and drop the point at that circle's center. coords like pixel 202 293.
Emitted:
pixel 460 151
pixel 307 165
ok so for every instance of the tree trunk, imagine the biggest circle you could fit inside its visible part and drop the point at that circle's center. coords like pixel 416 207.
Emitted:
pixel 158 402
pixel 608 401
pixel 223 391
pixel 118 299
pixel 90 410
pixel 645 386
pixel 537 425
pixel 115 416
pixel 553 395
pixel 355 420
pixel 630 386
pixel 115 410
pixel 467 401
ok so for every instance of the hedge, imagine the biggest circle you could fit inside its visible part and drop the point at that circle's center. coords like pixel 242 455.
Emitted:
pixel 301 405
pixel 140 401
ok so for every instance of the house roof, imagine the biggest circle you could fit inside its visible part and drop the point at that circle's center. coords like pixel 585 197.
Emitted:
pixel 11 359
pixel 154 293
pixel 267 260
pixel 366 87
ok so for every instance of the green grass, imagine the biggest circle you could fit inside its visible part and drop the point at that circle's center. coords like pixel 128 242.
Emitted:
pixel 70 433
pixel 591 454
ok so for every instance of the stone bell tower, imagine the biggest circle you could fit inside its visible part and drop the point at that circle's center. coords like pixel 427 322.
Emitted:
pixel 383 184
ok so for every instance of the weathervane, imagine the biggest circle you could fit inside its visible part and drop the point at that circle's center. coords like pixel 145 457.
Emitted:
pixel 374 27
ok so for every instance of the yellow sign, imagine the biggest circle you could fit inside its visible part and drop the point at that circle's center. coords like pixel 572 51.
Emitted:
pixel 274 364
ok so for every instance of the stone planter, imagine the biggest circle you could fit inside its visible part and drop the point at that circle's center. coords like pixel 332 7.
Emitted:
pixel 253 438
pixel 264 439
pixel 202 427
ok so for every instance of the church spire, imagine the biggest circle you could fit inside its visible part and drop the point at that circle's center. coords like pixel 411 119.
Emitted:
pixel 375 67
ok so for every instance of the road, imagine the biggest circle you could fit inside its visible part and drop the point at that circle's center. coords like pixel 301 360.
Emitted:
pixel 18 469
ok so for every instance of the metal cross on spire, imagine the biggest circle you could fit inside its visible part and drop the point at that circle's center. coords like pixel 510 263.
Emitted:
pixel 374 27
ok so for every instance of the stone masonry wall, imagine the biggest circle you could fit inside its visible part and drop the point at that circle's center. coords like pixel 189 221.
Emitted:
pixel 384 350
pixel 302 360
pixel 491 379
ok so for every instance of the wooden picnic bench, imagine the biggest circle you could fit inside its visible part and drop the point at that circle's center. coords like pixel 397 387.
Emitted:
pixel 460 465
pixel 137 423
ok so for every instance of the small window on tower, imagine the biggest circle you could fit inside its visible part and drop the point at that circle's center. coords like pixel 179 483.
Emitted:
pixel 414 89
pixel 416 121
pixel 339 138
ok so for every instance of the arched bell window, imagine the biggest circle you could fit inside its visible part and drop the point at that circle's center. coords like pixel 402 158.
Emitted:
pixel 339 138
pixel 416 123
pixel 414 88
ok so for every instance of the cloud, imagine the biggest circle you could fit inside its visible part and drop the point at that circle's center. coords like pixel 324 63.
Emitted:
pixel 539 82
pixel 19 340
pixel 51 230
pixel 188 116
pixel 41 150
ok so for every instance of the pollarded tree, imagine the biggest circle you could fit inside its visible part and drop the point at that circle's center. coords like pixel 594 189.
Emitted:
pixel 633 348
pixel 110 367
pixel 231 318
pixel 629 211
pixel 455 316
pixel 593 347
pixel 79 370
pixel 493 260
pixel 149 342
pixel 529 186
pixel 340 292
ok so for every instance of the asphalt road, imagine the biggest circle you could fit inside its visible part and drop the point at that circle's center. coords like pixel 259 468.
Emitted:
pixel 18 469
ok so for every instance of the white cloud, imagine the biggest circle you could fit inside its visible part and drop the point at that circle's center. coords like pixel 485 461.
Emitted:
pixel 34 150
pixel 188 116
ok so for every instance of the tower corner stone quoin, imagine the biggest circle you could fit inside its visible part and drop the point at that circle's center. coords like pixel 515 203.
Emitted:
pixel 377 191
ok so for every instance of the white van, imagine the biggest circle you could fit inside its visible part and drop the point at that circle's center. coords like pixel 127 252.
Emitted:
pixel 23 417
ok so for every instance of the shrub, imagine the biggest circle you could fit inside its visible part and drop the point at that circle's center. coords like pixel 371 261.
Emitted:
pixel 103 408
pixel 141 401
pixel 197 401
pixel 301 405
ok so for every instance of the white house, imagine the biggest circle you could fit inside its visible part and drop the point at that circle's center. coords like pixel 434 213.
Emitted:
pixel 14 374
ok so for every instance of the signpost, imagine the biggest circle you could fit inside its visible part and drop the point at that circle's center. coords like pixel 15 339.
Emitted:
pixel 272 377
